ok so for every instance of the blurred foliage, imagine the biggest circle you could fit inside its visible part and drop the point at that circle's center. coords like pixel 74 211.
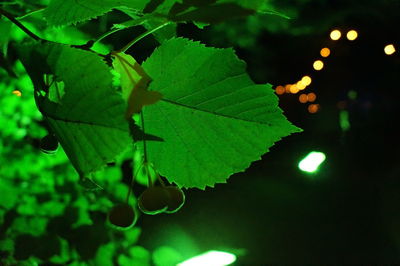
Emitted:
pixel 46 217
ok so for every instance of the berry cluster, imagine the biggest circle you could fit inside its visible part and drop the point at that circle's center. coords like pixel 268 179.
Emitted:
pixel 159 199
pixel 153 200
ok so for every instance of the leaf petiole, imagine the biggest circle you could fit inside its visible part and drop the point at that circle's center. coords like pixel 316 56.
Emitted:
pixel 143 35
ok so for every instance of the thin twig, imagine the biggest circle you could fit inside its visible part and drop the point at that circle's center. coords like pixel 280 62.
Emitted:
pixel 31 13
pixel 17 23
pixel 141 36
pixel 104 35
pixel 144 140
pixel 132 182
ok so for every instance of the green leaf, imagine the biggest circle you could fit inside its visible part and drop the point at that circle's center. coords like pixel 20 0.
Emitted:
pixel 60 12
pixel 213 119
pixel 88 120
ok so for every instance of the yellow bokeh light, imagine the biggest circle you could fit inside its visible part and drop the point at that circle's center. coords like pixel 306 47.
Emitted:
pixel 300 85
pixel 303 98
pixel 325 52
pixel 311 97
pixel 294 89
pixel 17 93
pixel 335 35
pixel 313 108
pixel 352 35
pixel 280 90
pixel 306 80
pixel 389 49
pixel 318 65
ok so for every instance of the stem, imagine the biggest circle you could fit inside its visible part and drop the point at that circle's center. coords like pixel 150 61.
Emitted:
pixel 132 182
pixel 141 36
pixel 104 35
pixel 17 23
pixel 149 180
pixel 144 140
pixel 31 13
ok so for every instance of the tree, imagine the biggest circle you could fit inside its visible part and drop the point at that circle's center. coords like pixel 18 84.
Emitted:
pixel 188 115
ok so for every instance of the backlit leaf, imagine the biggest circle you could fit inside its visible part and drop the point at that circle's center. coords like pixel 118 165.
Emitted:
pixel 213 119
pixel 88 120
pixel 134 83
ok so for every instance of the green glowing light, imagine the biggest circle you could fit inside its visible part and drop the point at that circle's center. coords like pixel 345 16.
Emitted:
pixel 210 258
pixel 312 161
pixel 352 94
pixel 344 120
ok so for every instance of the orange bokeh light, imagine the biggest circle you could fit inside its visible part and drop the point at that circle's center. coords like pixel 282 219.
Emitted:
pixel 311 97
pixel 325 52
pixel 18 93
pixel 313 108
pixel 303 98
pixel 287 88
pixel 294 89
pixel 280 90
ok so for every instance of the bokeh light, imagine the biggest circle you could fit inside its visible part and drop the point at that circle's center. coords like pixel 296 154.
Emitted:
pixel 335 35
pixel 287 88
pixel 300 85
pixel 303 98
pixel 210 258
pixel 318 65
pixel 306 80
pixel 352 35
pixel 311 97
pixel 325 52
pixel 313 108
pixel 294 89
pixel 280 90
pixel 17 93
pixel 344 120
pixel 390 49
pixel 311 162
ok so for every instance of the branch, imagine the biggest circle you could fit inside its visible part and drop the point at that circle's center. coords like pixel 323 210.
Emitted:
pixel 17 23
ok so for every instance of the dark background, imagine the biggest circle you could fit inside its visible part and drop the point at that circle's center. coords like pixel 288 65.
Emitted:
pixel 349 211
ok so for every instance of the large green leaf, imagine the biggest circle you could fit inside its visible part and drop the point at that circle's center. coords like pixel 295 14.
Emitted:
pixel 61 12
pixel 88 120
pixel 214 120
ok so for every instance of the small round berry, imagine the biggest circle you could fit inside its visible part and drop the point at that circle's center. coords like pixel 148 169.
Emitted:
pixel 153 200
pixel 122 215
pixel 176 199
pixel 49 144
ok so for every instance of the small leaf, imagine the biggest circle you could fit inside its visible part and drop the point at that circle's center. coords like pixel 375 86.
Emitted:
pixel 134 83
